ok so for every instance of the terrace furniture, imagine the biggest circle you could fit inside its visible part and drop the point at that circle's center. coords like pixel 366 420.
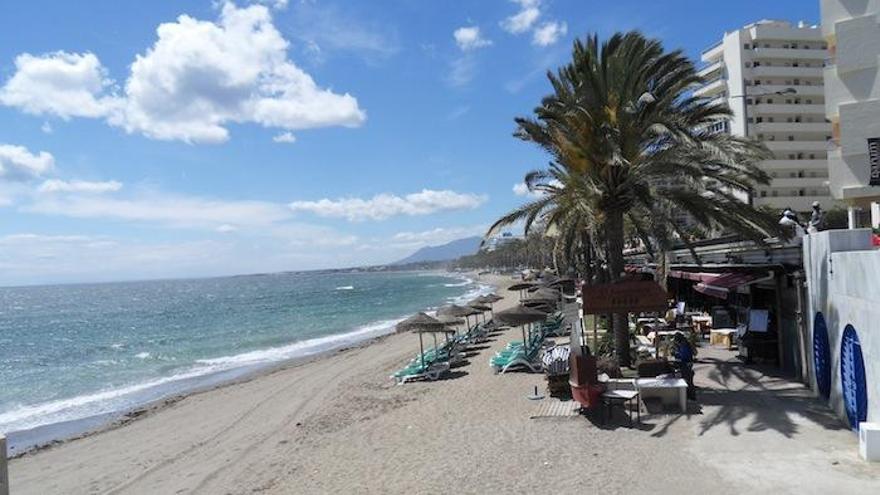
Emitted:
pixel 667 389
pixel 722 336
pixel 415 370
pixel 621 398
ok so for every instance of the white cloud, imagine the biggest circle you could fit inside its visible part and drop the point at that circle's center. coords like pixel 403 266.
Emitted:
pixel 323 29
pixel 521 189
pixel 19 164
pixel 164 209
pixel 440 235
pixel 61 84
pixel 383 206
pixel 523 20
pixel 549 33
pixel 469 38
pixel 46 128
pixel 461 71
pixel 275 4
pixel 197 78
pixel 226 228
pixel 79 186
pixel 285 137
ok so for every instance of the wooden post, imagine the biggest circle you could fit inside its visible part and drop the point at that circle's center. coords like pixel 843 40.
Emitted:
pixel 4 470
pixel 595 335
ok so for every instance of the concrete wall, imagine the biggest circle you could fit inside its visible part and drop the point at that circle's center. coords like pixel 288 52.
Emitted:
pixel 843 282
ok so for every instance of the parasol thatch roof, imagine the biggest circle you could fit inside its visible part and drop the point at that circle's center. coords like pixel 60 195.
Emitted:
pixel 519 315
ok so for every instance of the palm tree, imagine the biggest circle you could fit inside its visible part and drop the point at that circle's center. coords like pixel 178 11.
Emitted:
pixel 629 141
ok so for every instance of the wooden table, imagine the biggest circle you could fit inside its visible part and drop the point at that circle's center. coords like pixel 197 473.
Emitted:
pixel 663 387
pixel 722 336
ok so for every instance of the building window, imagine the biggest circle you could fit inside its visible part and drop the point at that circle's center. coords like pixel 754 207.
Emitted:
pixel 747 46
pixel 763 194
pixel 791 138
pixel 812 156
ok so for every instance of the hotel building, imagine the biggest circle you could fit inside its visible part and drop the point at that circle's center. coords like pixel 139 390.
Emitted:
pixel 770 73
pixel 852 101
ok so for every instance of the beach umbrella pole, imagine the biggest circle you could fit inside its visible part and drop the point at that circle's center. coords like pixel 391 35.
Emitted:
pixel 421 350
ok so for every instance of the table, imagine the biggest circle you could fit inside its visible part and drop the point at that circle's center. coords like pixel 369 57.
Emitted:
pixel 722 336
pixel 664 387
pixel 622 397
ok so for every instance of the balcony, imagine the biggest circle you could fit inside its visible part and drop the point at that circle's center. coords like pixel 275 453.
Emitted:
pixel 713 88
pixel 799 182
pixel 797 203
pixel 770 89
pixel 786 108
pixel 710 69
pixel 782 71
pixel 789 53
pixel 714 52
pixel 796 145
pixel 823 128
pixel 769 165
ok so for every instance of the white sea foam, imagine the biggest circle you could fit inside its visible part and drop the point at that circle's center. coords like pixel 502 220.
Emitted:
pixel 112 400
pixel 118 399
pixel 345 287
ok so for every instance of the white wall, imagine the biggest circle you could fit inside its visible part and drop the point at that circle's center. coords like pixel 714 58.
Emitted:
pixel 843 282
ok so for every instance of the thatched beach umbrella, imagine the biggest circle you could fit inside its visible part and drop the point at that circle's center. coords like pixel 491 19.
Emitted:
pixel 421 323
pixel 520 316
pixel 482 308
pixel 489 299
pixel 520 287
pixel 459 311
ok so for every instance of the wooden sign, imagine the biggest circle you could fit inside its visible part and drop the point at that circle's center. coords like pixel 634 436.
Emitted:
pixel 630 296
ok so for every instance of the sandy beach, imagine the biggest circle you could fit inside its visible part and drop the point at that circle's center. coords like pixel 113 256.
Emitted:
pixel 339 425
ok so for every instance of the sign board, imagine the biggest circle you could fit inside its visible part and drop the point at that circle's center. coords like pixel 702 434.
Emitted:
pixel 874 161
pixel 630 296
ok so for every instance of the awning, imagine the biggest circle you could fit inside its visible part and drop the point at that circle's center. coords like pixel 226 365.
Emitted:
pixel 722 285
pixel 693 276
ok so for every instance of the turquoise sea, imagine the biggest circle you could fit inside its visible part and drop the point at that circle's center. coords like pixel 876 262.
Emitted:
pixel 74 356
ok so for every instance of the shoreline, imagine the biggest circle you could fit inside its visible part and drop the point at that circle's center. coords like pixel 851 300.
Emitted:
pixel 24 443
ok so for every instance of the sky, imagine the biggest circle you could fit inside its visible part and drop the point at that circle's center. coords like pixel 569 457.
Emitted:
pixel 169 139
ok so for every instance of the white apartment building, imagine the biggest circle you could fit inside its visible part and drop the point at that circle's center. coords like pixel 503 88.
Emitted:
pixel 852 90
pixel 770 73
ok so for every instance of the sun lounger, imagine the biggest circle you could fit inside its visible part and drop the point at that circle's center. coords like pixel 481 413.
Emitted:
pixel 417 371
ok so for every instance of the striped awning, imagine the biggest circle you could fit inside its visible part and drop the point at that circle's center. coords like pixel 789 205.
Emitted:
pixel 721 285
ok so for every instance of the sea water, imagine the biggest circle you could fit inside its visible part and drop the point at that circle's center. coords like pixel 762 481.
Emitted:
pixel 76 355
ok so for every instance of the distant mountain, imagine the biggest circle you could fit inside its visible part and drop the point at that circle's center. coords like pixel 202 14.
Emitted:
pixel 446 252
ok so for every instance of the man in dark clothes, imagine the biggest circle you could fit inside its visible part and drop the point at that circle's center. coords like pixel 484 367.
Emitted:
pixel 684 354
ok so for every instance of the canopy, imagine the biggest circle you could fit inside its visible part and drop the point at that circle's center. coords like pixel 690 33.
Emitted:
pixel 479 307
pixel 459 311
pixel 520 315
pixel 488 299
pixel 449 319
pixel 722 285
pixel 420 322
pixel 521 286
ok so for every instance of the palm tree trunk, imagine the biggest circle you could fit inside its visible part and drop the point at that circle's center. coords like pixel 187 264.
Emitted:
pixel 619 324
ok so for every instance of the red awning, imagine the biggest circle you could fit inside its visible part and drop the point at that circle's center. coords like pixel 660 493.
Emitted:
pixel 693 276
pixel 721 285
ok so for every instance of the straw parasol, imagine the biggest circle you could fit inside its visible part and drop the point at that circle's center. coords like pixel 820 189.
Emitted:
pixel 520 316
pixel 458 311
pixel 489 299
pixel 421 323
pixel 522 286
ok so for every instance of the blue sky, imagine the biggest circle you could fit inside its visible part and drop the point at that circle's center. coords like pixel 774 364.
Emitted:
pixel 196 138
